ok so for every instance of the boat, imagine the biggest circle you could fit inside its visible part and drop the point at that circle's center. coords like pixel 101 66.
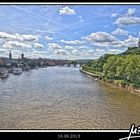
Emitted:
pixel 17 71
pixel 36 67
pixel 3 73
pixel 26 68
pixel 10 70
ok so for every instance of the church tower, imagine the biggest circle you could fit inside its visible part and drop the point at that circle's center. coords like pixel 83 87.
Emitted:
pixel 22 56
pixel 10 55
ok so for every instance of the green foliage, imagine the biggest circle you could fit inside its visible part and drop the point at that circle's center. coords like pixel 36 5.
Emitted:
pixel 120 69
pixel 125 68
pixel 97 65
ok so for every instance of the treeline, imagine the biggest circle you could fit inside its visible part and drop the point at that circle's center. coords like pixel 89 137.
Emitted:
pixel 124 69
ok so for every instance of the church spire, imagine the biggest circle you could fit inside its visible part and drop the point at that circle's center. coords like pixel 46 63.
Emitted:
pixel 22 55
pixel 10 55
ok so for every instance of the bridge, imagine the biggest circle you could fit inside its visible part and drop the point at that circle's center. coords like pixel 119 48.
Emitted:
pixel 69 63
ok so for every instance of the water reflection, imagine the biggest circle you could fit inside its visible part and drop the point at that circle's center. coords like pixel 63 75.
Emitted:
pixel 64 98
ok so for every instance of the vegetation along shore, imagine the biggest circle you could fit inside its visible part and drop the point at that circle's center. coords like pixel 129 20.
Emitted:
pixel 121 70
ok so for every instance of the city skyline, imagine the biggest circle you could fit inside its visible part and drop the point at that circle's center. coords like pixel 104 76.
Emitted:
pixel 68 31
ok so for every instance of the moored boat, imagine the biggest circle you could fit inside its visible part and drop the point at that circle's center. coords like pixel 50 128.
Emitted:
pixel 36 67
pixel 10 70
pixel 17 71
pixel 3 73
pixel 26 68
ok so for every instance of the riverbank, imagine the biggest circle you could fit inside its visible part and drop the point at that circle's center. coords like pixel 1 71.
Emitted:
pixel 96 75
pixel 115 83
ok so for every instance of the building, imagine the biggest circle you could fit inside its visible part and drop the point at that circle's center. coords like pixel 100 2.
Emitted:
pixel 1 62
pixel 22 56
pixel 10 55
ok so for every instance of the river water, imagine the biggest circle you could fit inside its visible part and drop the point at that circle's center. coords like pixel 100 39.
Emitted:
pixel 64 98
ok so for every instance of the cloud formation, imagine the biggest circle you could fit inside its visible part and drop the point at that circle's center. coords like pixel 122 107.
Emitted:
pixel 18 37
pixel 61 52
pixel 113 51
pixel 66 11
pixel 16 44
pixel 131 11
pixel 128 18
pixel 37 45
pixel 114 15
pixel 73 42
pixel 104 39
pixel 100 37
pixel 131 41
pixel 119 31
pixel 69 47
pixel 75 52
pixel 48 38
pixel 53 46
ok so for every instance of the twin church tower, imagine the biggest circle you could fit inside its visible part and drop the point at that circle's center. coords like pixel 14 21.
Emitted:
pixel 10 55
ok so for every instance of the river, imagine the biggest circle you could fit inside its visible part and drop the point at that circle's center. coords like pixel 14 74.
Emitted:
pixel 64 98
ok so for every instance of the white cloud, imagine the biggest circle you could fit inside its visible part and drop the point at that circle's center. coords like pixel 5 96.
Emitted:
pixel 75 52
pixel 73 42
pixel 119 31
pixel 114 15
pixel 61 52
pixel 90 51
pixel 37 45
pixel 69 47
pixel 36 54
pixel 3 51
pixel 131 41
pixel 128 20
pixel 82 47
pixel 99 50
pixel 87 53
pixel 131 11
pixel 113 51
pixel 18 37
pixel 99 37
pixel 6 36
pixel 117 44
pixel 66 11
pixel 48 38
pixel 16 44
pixel 103 39
pixel 53 46
pixel 28 37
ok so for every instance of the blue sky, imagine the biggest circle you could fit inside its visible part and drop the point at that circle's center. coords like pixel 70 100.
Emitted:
pixel 68 31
